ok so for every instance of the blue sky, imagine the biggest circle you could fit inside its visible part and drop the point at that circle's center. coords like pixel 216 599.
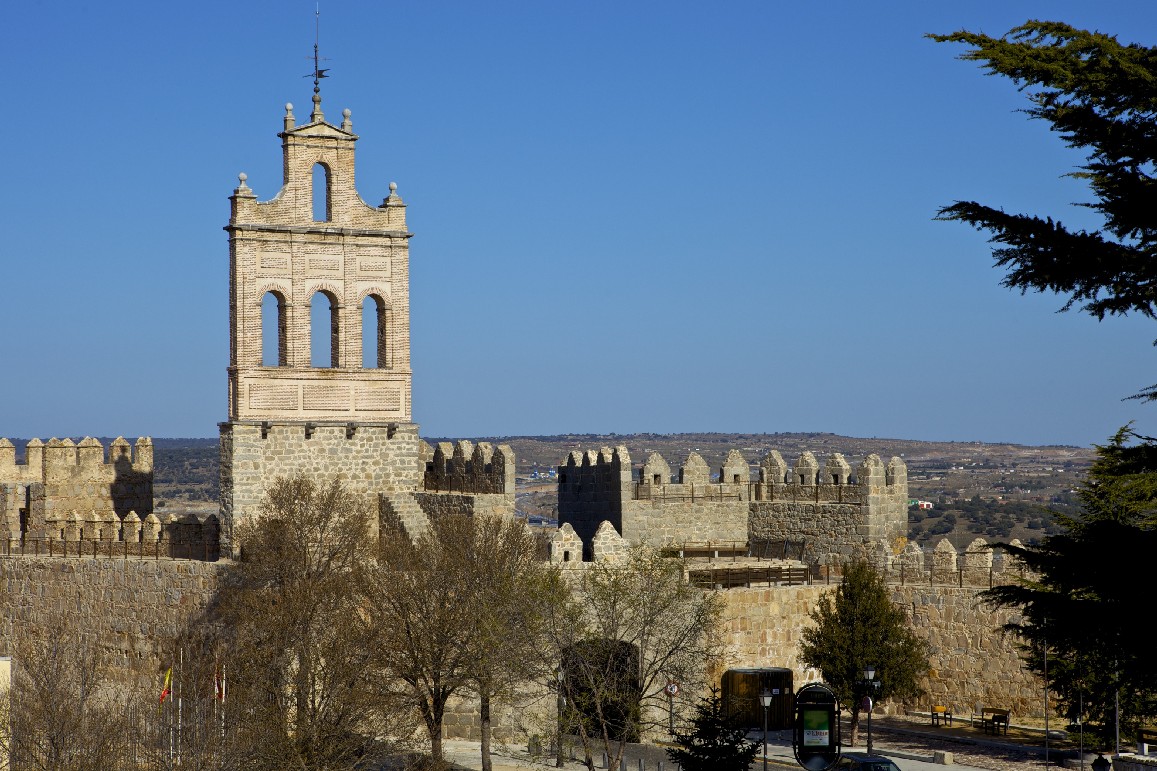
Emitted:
pixel 628 216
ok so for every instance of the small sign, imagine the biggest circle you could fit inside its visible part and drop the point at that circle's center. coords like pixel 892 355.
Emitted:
pixel 775 692
pixel 866 704
pixel 816 728
pixel 672 689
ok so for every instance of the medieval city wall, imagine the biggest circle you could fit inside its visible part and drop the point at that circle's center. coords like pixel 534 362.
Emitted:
pixel 130 607
pixel 972 660
pixel 82 477
pixel 837 514
pixel 436 505
pixel 683 520
pixel 69 497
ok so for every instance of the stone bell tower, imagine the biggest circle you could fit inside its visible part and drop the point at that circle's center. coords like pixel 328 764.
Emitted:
pixel 343 265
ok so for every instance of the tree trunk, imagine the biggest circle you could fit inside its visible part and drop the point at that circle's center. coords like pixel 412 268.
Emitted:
pixel 855 726
pixel 433 711
pixel 484 710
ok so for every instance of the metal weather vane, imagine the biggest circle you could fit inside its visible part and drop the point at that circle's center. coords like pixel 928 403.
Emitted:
pixel 317 73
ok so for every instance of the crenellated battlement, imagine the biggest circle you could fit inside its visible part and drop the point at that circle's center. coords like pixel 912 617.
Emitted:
pixel 601 470
pixel 57 457
pixel 465 467
pixel 74 491
pixel 827 503
pixel 95 533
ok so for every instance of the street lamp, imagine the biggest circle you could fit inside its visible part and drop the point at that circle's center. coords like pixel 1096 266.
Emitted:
pixel 765 700
pixel 873 684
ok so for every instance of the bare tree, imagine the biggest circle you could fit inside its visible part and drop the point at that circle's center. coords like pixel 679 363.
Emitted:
pixel 62 714
pixel 304 683
pixel 516 591
pixel 423 608
pixel 632 626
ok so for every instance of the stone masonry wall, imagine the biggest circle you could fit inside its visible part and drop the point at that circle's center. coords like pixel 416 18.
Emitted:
pixel 59 479
pixel 837 513
pixel 831 532
pixel 133 607
pixel 444 504
pixel 369 458
pixel 685 521
pixel 972 661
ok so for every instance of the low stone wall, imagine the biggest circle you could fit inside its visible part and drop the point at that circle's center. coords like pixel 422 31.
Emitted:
pixel 132 607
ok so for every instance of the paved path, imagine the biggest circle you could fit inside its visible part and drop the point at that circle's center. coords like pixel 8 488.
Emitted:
pixel 910 753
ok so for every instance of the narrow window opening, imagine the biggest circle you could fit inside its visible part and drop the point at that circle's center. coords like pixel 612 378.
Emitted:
pixel 321 209
pixel 566 555
pixel 802 479
pixel 835 479
pixel 735 479
pixel 273 347
pixel 657 479
pixel 374 333
pixel 323 330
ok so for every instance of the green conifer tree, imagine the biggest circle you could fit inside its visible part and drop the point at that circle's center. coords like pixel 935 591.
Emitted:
pixel 1083 588
pixel 857 626
pixel 714 742
pixel 1101 97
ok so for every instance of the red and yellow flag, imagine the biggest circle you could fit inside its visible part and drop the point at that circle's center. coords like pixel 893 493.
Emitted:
pixel 166 689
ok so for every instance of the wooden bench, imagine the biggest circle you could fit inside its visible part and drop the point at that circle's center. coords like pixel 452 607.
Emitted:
pixel 1146 738
pixel 993 721
pixel 940 714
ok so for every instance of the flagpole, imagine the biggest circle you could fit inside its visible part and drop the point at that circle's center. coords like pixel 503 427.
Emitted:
pixel 222 701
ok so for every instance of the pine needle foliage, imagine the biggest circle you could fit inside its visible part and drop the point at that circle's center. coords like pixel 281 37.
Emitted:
pixel 857 626
pixel 715 742
pixel 1083 588
pixel 1101 96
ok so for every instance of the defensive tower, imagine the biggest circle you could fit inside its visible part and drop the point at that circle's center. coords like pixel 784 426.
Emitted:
pixel 342 411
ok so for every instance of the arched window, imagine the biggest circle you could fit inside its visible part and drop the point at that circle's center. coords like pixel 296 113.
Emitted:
pixel 323 330
pixel 273 348
pixel 321 210
pixel 374 354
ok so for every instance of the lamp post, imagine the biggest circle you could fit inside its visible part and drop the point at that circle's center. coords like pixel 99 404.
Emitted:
pixel 1101 763
pixel 765 700
pixel 873 684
